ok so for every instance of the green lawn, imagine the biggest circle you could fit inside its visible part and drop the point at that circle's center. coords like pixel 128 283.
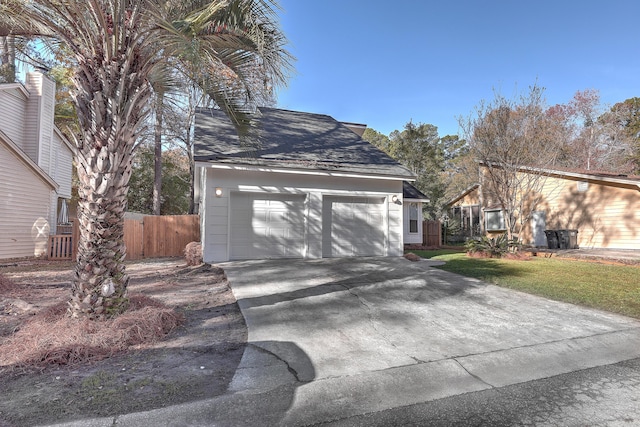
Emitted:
pixel 608 287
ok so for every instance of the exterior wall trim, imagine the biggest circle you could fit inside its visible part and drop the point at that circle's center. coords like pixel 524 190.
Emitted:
pixel 26 160
pixel 298 171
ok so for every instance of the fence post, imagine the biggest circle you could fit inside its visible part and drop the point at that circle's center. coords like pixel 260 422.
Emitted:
pixel 425 232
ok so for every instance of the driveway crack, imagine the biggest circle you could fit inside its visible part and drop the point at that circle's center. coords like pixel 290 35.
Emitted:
pixel 472 374
pixel 372 320
pixel 270 353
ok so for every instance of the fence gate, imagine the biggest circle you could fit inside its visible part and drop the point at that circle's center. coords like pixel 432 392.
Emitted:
pixel 431 233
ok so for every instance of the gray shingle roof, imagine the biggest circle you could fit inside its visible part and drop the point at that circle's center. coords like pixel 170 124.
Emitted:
pixel 411 192
pixel 291 139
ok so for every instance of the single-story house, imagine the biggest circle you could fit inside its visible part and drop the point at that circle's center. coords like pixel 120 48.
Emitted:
pixel 312 188
pixel 603 207
pixel 35 167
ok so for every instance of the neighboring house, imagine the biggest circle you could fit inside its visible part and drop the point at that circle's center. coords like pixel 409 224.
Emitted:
pixel 603 207
pixel 314 188
pixel 35 167
pixel 463 221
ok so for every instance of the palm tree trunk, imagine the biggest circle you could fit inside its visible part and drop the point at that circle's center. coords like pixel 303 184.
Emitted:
pixel 100 285
pixel 111 111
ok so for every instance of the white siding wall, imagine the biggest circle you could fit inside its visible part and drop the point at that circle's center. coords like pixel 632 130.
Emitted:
pixel 31 122
pixel 415 238
pixel 215 210
pixel 13 107
pixel 25 208
pixel 63 167
pixel 396 247
pixel 40 119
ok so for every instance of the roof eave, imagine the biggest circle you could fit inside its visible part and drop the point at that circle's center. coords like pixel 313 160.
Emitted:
pixel 301 171
pixel 28 162
pixel 586 176
pixel 64 140
pixel 462 195
pixel 12 86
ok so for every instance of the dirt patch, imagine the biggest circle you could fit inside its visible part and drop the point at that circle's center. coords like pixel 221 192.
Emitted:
pixel 196 361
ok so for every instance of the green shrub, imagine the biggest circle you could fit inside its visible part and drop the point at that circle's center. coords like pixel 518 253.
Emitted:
pixel 493 247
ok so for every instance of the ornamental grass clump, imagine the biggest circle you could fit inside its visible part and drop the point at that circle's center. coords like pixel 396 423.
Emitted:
pixel 492 247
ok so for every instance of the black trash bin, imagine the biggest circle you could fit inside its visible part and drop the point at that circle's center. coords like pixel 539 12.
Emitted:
pixel 568 239
pixel 563 239
pixel 552 239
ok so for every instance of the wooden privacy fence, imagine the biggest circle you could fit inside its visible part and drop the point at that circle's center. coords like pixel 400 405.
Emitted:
pixel 60 247
pixel 151 237
pixel 168 235
pixel 431 233
pixel 134 238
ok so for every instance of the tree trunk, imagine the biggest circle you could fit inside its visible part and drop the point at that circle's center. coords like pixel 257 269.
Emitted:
pixel 111 102
pixel 7 59
pixel 157 162
pixel 189 146
pixel 100 285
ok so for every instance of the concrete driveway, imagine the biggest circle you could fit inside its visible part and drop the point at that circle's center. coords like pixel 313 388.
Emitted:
pixel 333 338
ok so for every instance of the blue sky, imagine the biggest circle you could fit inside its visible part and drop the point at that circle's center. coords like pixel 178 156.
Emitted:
pixel 385 63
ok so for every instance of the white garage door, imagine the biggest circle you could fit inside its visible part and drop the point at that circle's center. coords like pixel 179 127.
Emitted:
pixel 267 226
pixel 353 226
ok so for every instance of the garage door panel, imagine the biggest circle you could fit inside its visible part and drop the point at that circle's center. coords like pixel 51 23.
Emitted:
pixel 353 226
pixel 267 226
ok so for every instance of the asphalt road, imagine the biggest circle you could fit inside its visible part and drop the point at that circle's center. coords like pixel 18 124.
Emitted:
pixel 602 396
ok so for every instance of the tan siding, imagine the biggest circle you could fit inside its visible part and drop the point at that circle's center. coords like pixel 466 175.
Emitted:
pixel 605 216
pixel 469 200
pixel 13 107
pixel 24 208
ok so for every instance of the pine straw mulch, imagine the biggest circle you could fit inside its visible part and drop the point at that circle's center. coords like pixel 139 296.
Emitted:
pixel 181 341
pixel 50 337
pixel 412 257
pixel 38 333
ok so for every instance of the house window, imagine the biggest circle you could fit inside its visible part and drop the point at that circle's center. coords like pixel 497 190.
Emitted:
pixel 494 220
pixel 413 217
pixel 468 217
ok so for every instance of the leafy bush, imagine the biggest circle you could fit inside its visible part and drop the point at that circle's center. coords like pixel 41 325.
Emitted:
pixel 493 247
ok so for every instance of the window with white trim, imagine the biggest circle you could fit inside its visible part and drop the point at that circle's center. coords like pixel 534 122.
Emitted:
pixel 494 220
pixel 413 217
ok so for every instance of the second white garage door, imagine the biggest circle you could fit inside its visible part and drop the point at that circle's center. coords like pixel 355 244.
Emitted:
pixel 267 226
pixel 353 226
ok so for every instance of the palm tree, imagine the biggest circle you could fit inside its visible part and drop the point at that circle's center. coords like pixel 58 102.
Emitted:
pixel 122 48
